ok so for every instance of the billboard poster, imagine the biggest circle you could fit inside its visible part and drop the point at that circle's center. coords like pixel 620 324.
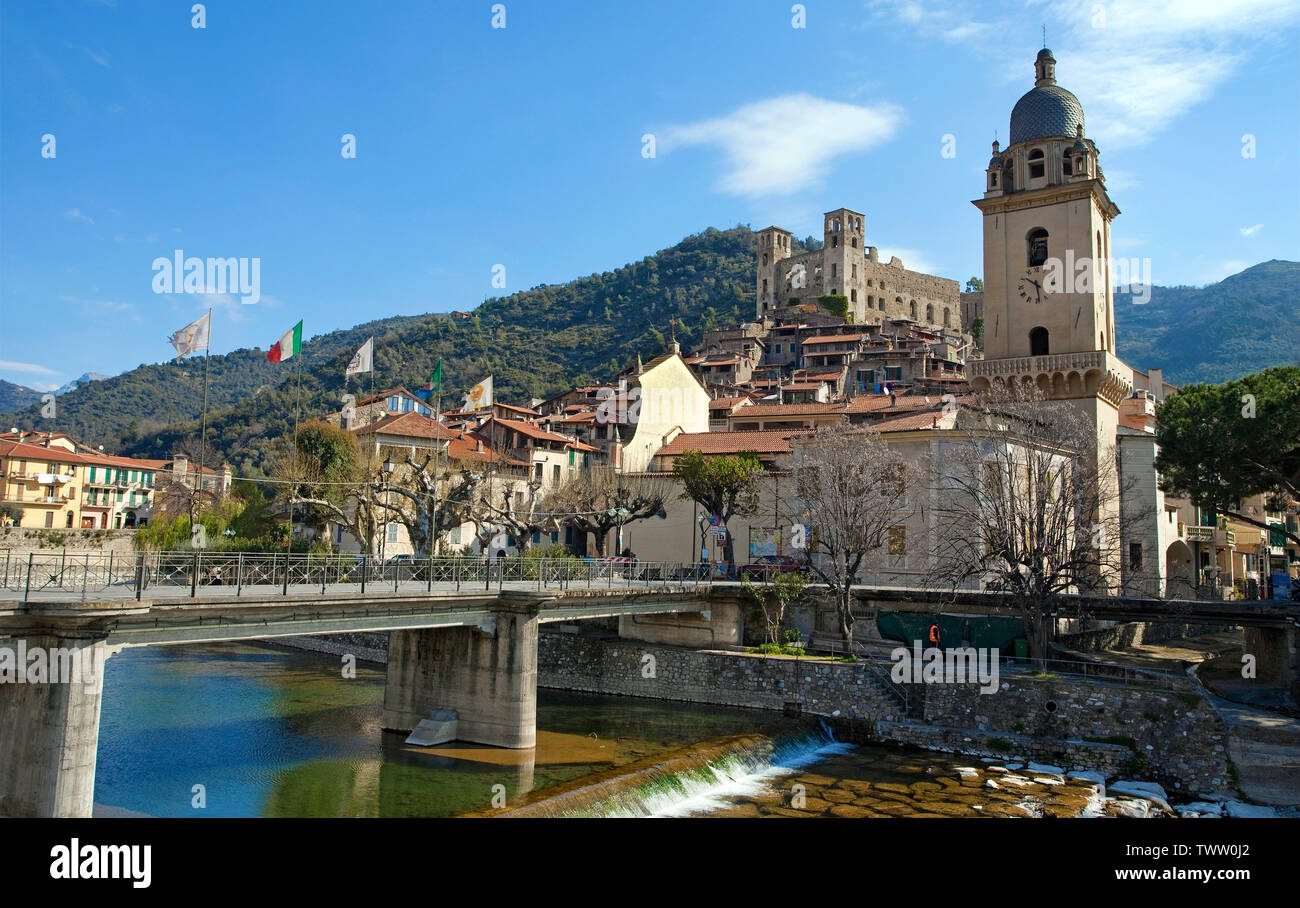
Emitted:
pixel 764 541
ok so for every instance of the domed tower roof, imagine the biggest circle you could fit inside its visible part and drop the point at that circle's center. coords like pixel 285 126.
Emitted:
pixel 1046 110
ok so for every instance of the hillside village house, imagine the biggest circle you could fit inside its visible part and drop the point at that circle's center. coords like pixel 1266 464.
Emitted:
pixel 59 484
pixel 524 458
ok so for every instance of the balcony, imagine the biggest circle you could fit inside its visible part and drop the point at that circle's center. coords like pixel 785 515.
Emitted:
pixel 44 478
pixel 1215 535
pixel 45 499
pixel 1033 365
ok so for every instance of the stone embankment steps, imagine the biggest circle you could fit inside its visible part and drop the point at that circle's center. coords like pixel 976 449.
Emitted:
pixel 1265 749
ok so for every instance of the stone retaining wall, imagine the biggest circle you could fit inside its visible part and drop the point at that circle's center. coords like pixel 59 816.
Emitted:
pixel 635 669
pixel 1132 633
pixel 1175 738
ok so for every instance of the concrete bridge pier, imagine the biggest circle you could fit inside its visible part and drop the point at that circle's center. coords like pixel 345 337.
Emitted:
pixel 488 674
pixel 49 715
pixel 1277 656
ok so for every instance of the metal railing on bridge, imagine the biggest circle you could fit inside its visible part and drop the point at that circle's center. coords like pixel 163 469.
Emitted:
pixel 27 576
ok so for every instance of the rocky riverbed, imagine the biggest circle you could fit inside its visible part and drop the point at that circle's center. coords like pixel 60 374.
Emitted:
pixel 906 784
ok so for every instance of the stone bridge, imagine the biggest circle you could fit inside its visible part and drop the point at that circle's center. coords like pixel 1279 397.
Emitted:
pixel 462 647
pixel 471 652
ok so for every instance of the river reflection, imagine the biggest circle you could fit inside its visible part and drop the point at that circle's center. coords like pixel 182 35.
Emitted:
pixel 275 732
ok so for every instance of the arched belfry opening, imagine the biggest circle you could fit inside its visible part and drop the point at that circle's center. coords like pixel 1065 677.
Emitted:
pixel 1038 345
pixel 1036 247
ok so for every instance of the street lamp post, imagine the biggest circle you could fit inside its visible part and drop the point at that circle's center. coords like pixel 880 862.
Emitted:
pixel 388 467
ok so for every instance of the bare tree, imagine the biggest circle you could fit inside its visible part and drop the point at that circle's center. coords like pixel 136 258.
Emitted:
pixel 1028 505
pixel 599 499
pixel 431 495
pixel 851 487
pixel 519 511
pixel 346 492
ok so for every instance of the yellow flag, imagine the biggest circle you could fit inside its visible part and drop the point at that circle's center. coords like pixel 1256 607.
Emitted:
pixel 480 395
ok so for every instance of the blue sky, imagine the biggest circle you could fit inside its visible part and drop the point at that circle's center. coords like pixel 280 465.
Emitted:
pixel 522 146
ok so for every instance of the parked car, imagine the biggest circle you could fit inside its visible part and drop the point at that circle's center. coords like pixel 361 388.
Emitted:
pixel 765 566
pixel 402 567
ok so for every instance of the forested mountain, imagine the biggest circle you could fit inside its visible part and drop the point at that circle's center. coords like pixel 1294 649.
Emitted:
pixel 534 342
pixel 540 341
pixel 15 397
pixel 1244 323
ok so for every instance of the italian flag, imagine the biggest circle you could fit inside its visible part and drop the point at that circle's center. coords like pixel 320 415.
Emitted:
pixel 288 344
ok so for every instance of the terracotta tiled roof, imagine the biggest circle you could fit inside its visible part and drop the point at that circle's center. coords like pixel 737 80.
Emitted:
pixel 380 395
pixel 933 419
pixel 410 425
pixel 770 441
pixel 532 431
pixel 831 339
pixel 24 451
pixel 524 410
pixel 758 411
pixel 727 403
pixel 39 453
pixel 905 403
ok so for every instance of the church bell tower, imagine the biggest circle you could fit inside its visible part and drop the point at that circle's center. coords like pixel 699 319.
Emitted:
pixel 1048 300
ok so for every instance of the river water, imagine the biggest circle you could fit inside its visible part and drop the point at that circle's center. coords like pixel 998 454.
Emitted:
pixel 237 730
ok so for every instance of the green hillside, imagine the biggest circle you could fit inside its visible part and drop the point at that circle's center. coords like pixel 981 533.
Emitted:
pixel 16 397
pixel 542 340
pixel 534 342
pixel 1244 323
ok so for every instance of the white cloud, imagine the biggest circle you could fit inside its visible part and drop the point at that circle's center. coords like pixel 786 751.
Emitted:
pixel 76 215
pixel 101 59
pixel 1119 180
pixel 785 144
pixel 1223 269
pixel 1251 231
pixel 913 259
pixel 1136 66
pixel 8 366
pixel 235 310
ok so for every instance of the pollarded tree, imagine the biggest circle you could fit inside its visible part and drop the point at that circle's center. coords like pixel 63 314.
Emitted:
pixel 599 499
pixel 851 488
pixel 1222 444
pixel 725 486
pixel 1028 505
pixel 516 508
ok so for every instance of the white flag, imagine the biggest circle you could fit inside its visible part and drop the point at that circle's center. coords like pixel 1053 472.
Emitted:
pixel 193 336
pixel 363 360
pixel 480 395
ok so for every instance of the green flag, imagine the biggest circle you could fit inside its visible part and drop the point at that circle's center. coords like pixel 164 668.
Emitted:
pixel 435 383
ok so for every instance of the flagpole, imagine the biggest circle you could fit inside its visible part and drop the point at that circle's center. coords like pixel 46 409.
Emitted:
pixel 437 465
pixel 297 407
pixel 203 428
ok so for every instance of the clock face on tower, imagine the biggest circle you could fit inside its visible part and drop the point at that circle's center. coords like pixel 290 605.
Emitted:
pixel 1031 286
